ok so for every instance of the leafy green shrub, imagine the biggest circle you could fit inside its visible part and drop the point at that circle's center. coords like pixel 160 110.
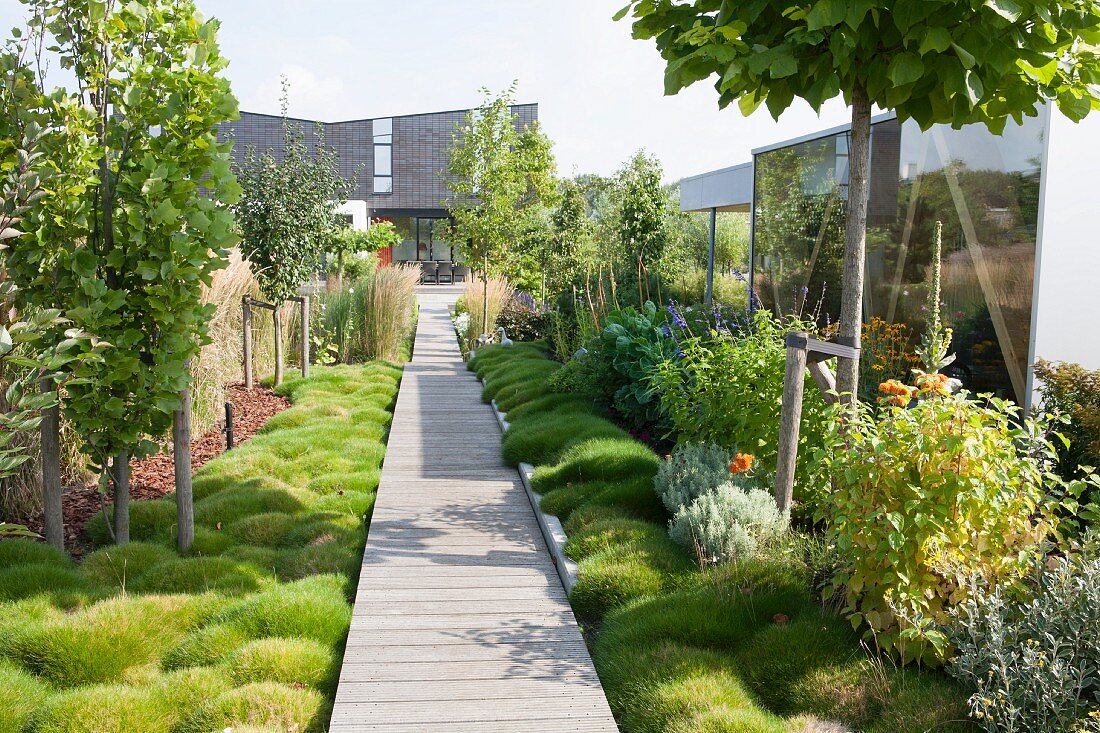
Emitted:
pixel 522 323
pixel 20 695
pixel 589 376
pixel 116 566
pixel 692 470
pixel 148 518
pixel 635 341
pixel 928 500
pixel 728 523
pixel 727 391
pixel 597 459
pixel 1074 392
pixel 288 661
pixel 259 704
pixel 1033 663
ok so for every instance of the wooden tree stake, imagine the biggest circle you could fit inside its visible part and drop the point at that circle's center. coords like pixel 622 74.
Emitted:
pixel 278 347
pixel 53 515
pixel 789 420
pixel 122 498
pixel 246 322
pixel 181 455
pixel 305 336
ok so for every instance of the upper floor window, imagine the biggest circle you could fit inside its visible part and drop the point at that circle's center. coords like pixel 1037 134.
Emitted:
pixel 383 155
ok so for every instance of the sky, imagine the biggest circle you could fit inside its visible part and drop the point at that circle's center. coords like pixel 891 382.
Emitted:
pixel 600 92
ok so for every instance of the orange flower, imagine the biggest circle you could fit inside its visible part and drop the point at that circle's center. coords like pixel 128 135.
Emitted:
pixel 741 463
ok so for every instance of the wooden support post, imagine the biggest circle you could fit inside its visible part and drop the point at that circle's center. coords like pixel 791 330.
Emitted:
pixel 246 322
pixel 50 432
pixel 825 379
pixel 790 419
pixel 708 295
pixel 228 425
pixel 278 347
pixel 121 470
pixel 181 456
pixel 305 336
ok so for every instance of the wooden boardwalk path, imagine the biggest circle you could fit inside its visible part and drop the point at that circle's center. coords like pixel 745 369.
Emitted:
pixel 460 621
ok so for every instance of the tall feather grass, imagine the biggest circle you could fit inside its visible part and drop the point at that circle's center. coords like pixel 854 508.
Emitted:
pixel 500 291
pixel 384 311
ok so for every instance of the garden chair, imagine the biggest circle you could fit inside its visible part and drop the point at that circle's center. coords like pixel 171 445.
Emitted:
pixel 461 272
pixel 446 271
pixel 429 272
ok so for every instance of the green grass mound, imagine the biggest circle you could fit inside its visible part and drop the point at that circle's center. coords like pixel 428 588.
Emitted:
pixel 587 515
pixel 355 503
pixel 206 646
pixel 267 529
pixel 22 551
pixel 312 608
pixel 598 459
pixel 147 520
pixel 21 694
pixel 540 439
pixel 231 505
pixel 290 661
pixel 317 559
pixel 301 415
pixel 531 372
pixel 548 403
pixel 117 566
pixel 605 534
pixel 201 574
pixel 324 527
pixel 262 558
pixel 611 582
pixel 331 483
pixel 104 709
pixel 265 704
pixel 634 495
pixel 64 585
pixel 99 643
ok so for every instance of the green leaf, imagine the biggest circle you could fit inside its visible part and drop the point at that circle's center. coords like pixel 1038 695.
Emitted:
pixel 749 103
pixel 906 68
pixel 965 56
pixel 1008 9
pixel 783 65
pixel 826 14
pixel 975 90
pixel 935 39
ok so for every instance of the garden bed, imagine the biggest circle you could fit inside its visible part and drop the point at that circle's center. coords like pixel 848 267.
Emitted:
pixel 248 631
pixel 154 477
pixel 745 646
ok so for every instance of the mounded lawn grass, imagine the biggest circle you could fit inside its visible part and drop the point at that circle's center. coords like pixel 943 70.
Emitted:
pixel 744 648
pixel 247 631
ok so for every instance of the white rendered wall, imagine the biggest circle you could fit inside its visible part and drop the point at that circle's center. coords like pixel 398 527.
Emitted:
pixel 358 212
pixel 1066 321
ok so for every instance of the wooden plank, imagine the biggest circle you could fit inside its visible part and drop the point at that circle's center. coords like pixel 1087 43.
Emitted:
pixel 460 621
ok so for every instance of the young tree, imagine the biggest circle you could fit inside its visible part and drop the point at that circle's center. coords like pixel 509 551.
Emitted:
pixel 288 209
pixel 498 174
pixel 570 240
pixel 934 61
pixel 135 219
pixel 642 216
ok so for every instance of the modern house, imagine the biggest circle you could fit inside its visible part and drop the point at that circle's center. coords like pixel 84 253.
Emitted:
pixel 398 165
pixel 1020 263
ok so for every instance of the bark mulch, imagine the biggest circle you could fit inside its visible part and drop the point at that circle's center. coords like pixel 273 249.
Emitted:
pixel 154 477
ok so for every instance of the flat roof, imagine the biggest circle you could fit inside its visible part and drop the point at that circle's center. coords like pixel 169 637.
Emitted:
pixel 726 189
pixel 379 117
pixel 829 132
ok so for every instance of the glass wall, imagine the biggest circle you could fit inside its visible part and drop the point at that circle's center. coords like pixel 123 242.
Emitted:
pixel 983 188
pixel 421 239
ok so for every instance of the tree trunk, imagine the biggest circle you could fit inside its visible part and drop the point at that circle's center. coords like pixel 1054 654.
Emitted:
pixel 855 242
pixel 485 300
pixel 121 470
pixel 181 456
pixel 278 346
pixel 53 516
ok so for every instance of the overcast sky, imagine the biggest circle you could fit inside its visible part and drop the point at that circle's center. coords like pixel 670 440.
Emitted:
pixel 600 92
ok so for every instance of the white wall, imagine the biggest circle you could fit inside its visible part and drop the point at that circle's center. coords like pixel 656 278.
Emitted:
pixel 358 212
pixel 1066 321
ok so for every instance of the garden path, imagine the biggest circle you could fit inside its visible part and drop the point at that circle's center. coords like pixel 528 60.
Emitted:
pixel 460 621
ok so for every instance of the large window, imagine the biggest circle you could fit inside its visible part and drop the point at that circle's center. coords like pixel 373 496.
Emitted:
pixel 383 156
pixel 983 188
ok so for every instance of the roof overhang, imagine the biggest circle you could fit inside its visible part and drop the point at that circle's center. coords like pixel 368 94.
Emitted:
pixel 728 189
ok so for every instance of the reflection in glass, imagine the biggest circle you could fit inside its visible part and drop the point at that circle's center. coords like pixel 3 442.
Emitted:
pixel 383 160
pixel 383 184
pixel 985 190
pixel 383 130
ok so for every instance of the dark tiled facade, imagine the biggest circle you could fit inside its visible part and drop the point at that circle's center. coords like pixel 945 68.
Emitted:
pixel 419 153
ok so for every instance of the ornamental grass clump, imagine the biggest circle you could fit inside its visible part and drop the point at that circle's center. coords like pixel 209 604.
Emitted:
pixel 929 500
pixel 384 311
